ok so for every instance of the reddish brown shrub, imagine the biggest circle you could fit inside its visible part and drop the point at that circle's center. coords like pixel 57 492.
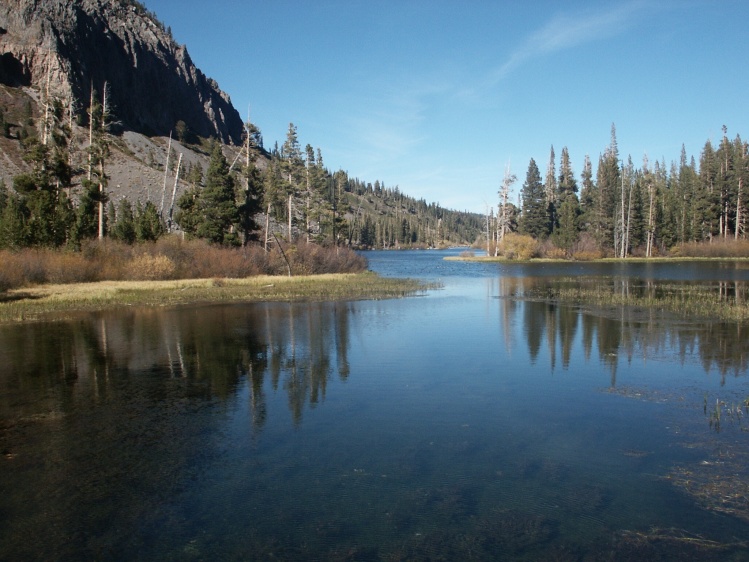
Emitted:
pixel 717 248
pixel 169 258
pixel 586 248
pixel 68 267
pixel 146 267
pixel 11 273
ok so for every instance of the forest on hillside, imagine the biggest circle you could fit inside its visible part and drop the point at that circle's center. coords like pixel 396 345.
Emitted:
pixel 623 209
pixel 287 193
pixel 64 197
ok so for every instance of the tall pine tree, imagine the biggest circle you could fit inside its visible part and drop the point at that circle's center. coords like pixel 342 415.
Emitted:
pixel 212 212
pixel 534 219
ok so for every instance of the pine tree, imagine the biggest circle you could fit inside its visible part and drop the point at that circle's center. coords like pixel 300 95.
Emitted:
pixel 534 219
pixel 741 178
pixel 272 193
pixel 567 183
pixel 707 203
pixel 566 234
pixel 310 168
pixel 251 197
pixel 588 198
pixel 292 166
pixel 42 199
pixel 13 230
pixel 86 223
pixel 550 190
pixel 149 226
pixel 249 191
pixel 124 225
pixel 684 181
pixel 188 215
pixel 337 190
pixel 217 206
pixel 606 215
pixel 3 195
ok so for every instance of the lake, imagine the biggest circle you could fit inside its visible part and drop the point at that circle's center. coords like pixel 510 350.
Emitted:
pixel 469 423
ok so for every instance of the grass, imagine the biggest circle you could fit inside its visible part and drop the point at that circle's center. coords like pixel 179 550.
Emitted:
pixel 523 248
pixel 630 259
pixel 58 300
pixel 686 300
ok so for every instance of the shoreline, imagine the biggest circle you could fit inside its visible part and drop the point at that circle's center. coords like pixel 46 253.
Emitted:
pixel 658 259
pixel 52 302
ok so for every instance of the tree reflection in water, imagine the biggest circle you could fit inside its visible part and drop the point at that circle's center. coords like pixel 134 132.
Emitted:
pixel 131 425
pixel 621 331
pixel 213 348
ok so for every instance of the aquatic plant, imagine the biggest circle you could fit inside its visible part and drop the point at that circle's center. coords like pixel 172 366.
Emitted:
pixel 720 301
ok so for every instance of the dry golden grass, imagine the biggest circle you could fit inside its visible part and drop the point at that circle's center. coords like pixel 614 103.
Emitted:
pixel 50 301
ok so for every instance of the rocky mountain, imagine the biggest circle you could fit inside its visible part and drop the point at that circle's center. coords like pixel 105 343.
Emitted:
pixel 74 45
pixel 67 47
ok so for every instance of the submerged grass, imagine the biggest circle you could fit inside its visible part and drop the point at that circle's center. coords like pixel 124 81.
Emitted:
pixel 47 301
pixel 686 300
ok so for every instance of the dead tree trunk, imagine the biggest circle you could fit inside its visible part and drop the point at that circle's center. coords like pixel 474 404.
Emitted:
pixel 166 174
pixel 174 193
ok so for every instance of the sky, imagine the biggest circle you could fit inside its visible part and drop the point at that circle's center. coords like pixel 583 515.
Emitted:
pixel 439 97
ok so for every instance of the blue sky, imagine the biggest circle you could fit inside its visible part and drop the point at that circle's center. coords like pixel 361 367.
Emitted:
pixel 437 97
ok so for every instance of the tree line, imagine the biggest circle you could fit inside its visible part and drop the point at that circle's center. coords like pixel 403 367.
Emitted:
pixel 627 210
pixel 254 199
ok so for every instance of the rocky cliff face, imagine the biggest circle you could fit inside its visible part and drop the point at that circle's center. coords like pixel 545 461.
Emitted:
pixel 74 44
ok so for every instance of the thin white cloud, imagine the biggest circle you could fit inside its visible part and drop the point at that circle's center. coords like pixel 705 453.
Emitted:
pixel 566 31
pixel 391 123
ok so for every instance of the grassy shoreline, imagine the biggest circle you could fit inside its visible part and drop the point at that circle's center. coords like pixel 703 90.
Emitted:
pixel 660 259
pixel 684 302
pixel 53 301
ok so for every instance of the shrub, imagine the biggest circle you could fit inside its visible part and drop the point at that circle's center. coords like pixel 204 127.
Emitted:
pixel 311 259
pixel 715 249
pixel 68 267
pixel 587 255
pixel 554 253
pixel 586 248
pixel 11 277
pixel 146 267
pixel 168 258
pixel 32 266
pixel 519 247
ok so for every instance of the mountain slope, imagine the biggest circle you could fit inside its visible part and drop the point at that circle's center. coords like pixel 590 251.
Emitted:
pixel 54 52
pixel 72 45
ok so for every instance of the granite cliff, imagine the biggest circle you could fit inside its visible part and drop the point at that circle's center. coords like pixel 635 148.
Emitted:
pixel 73 45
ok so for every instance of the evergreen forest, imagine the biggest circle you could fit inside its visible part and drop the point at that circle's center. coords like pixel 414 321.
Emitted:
pixel 249 195
pixel 624 210
pixel 245 195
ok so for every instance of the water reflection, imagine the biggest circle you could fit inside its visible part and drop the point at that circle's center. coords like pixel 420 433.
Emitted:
pixel 125 434
pixel 58 366
pixel 296 348
pixel 622 332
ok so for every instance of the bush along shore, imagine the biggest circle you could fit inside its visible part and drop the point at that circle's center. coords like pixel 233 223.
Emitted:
pixel 519 247
pixel 40 284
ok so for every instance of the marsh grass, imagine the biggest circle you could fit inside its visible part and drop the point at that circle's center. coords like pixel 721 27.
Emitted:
pixel 717 249
pixel 50 301
pixel 720 301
